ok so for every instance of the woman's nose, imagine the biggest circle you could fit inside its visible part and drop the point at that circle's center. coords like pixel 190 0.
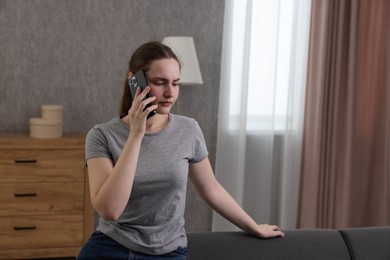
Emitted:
pixel 168 90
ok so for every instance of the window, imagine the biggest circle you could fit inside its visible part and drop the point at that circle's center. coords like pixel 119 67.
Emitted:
pixel 263 62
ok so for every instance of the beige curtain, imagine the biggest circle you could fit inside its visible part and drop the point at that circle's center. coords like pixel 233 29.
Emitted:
pixel 345 157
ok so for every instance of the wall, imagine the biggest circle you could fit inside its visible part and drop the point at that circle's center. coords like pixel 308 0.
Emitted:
pixel 75 53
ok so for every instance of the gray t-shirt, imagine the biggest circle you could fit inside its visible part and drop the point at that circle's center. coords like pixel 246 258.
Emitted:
pixel 153 221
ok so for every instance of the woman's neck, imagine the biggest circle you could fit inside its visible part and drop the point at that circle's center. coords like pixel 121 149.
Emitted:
pixel 156 123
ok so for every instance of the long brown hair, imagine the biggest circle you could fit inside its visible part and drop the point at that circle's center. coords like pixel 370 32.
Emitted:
pixel 141 59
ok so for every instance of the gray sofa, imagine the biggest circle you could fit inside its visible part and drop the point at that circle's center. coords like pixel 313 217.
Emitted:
pixel 371 243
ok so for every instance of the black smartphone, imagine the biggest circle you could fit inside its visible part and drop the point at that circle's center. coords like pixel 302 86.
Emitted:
pixel 139 80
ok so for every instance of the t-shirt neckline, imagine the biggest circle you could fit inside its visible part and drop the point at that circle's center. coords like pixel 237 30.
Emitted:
pixel 149 134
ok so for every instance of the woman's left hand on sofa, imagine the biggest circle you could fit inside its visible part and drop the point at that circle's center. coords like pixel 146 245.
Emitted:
pixel 268 231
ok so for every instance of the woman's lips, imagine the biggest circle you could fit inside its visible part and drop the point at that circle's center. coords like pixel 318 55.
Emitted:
pixel 166 103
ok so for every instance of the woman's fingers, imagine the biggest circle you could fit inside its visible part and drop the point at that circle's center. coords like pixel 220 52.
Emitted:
pixel 141 95
pixel 140 102
pixel 149 109
pixel 145 102
pixel 267 231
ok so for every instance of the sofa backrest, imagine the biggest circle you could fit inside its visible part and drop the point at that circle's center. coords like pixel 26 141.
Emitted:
pixel 303 244
pixel 368 243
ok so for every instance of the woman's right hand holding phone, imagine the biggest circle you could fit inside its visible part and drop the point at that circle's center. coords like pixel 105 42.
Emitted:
pixel 138 114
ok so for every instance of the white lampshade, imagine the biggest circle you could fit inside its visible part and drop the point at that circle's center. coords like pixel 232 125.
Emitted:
pixel 184 48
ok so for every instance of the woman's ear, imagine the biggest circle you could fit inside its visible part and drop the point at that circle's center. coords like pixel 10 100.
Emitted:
pixel 129 75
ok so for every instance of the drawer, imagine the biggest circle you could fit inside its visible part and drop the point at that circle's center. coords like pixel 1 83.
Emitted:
pixel 41 231
pixel 41 198
pixel 41 165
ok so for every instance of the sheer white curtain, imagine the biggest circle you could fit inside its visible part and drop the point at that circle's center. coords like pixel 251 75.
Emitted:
pixel 263 79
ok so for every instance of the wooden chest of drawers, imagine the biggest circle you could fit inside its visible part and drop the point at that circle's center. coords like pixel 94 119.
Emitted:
pixel 45 210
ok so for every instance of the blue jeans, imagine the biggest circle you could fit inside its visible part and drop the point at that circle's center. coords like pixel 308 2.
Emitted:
pixel 100 247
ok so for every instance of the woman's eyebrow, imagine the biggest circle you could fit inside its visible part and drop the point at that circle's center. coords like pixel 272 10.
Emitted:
pixel 158 78
pixel 163 79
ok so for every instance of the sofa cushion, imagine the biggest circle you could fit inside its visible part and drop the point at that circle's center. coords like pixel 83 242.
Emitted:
pixel 368 243
pixel 304 244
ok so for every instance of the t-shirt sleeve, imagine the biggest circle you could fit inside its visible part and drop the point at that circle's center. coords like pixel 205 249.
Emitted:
pixel 96 145
pixel 200 148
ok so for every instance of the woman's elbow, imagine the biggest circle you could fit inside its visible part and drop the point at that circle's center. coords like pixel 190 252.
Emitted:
pixel 107 212
pixel 110 217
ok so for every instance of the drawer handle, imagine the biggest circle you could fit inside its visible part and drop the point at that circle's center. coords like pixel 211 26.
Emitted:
pixel 32 194
pixel 26 161
pixel 17 228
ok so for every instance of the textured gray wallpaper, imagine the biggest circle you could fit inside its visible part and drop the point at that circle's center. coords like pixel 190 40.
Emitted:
pixel 75 53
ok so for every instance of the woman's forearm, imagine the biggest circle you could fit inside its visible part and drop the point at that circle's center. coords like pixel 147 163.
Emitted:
pixel 222 202
pixel 113 195
pixel 219 199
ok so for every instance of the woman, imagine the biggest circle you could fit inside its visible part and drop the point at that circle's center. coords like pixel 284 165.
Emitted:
pixel 138 169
